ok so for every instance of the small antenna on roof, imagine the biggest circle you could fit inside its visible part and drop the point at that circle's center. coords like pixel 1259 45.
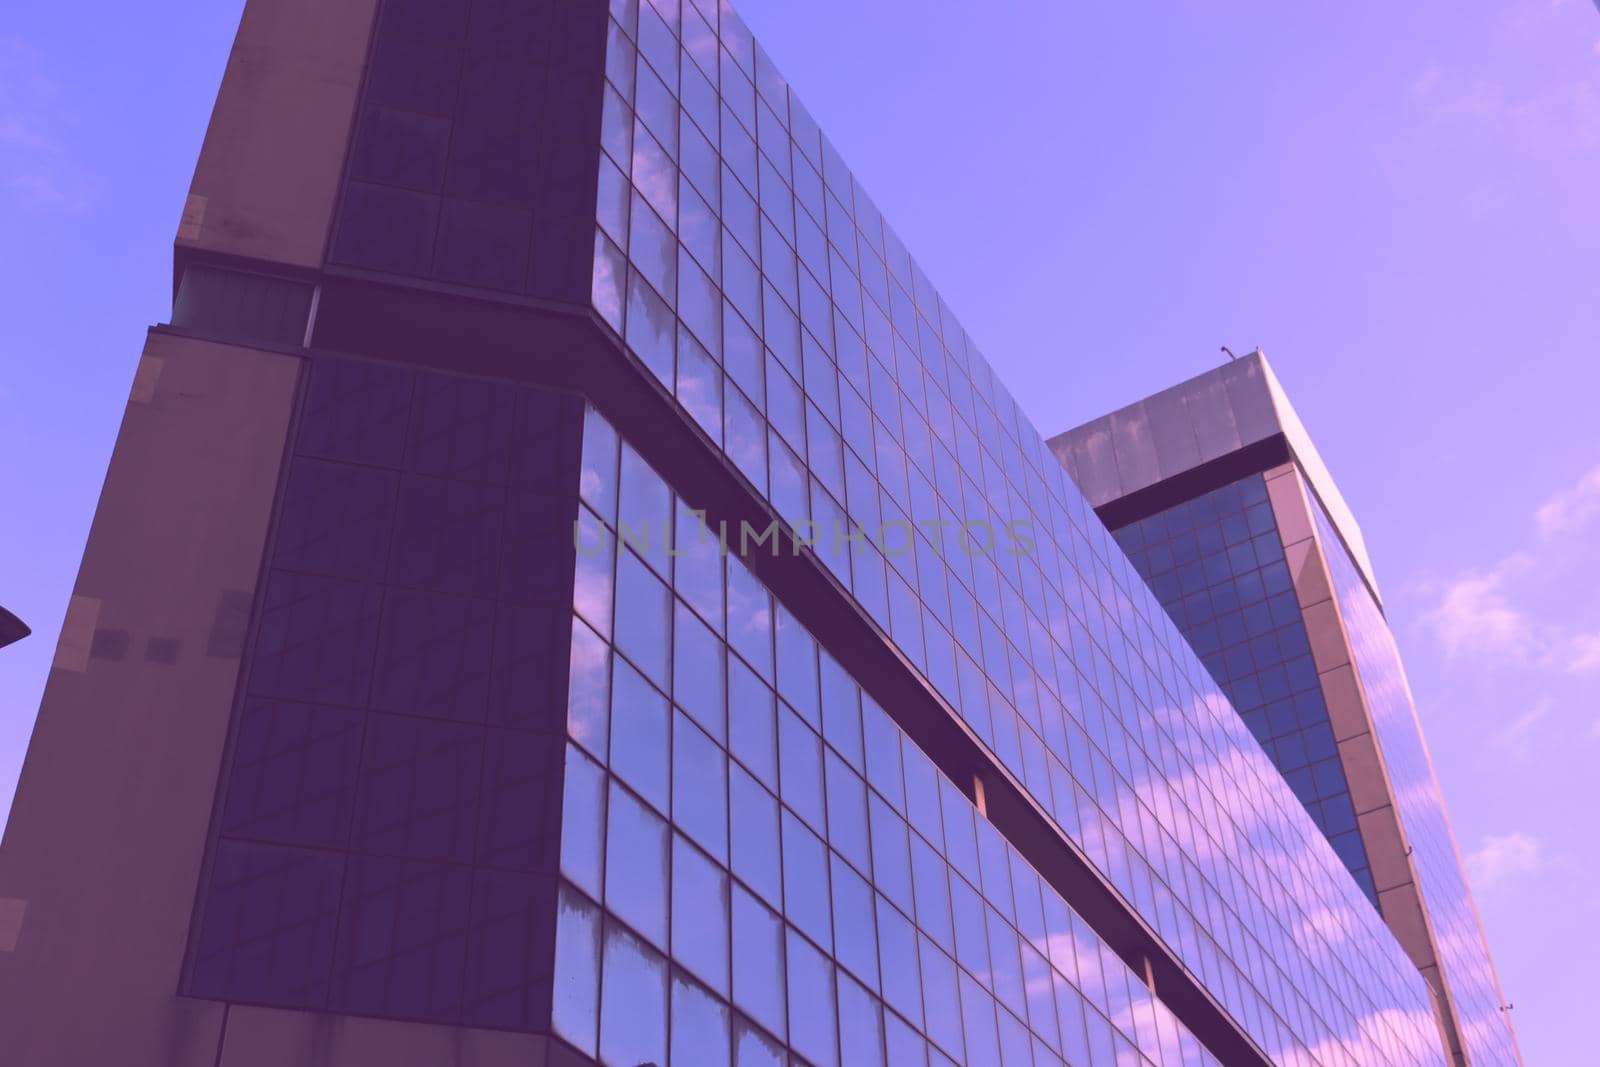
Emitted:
pixel 1231 356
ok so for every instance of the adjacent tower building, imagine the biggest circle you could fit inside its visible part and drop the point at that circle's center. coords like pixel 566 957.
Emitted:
pixel 568 590
pixel 1221 501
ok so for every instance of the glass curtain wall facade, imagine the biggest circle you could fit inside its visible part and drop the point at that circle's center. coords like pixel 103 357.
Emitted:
pixel 1463 955
pixel 756 862
pixel 752 275
pixel 1217 563
pixel 1218 495
pixel 495 742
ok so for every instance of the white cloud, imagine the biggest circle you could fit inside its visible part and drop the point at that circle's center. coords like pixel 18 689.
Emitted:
pixel 1481 613
pixel 17 133
pixel 1426 82
pixel 1475 616
pixel 1571 508
pixel 1553 122
pixel 1502 858
pixel 37 169
pixel 1585 649
pixel 40 190
pixel 1515 739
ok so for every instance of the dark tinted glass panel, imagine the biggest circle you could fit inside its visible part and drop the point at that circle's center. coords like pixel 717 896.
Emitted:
pixel 473 159
pixel 402 710
pixel 267 934
pixel 244 307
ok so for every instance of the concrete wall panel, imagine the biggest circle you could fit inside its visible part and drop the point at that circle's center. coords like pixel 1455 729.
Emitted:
pixel 1172 433
pixel 1347 712
pixel 1369 786
pixel 1386 849
pixel 1328 647
pixel 1135 447
pixel 268 1037
pixel 118 785
pixel 268 175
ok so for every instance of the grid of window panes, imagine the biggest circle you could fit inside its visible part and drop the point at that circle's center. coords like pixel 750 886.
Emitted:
pixel 1216 562
pixel 757 862
pixel 384 842
pixel 1059 659
pixel 715 181
pixel 1463 956
pixel 459 166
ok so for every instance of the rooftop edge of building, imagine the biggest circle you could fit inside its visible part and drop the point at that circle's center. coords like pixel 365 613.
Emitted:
pixel 1203 422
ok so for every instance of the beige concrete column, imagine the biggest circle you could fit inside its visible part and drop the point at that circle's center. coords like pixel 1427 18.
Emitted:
pixel 106 837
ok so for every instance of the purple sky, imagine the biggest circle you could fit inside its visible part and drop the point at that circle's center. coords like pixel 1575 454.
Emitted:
pixel 1397 201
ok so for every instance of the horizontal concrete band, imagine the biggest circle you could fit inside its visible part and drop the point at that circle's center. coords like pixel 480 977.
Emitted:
pixel 1253 458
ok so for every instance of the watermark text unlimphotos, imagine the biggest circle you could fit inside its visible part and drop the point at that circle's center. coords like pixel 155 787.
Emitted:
pixel 744 539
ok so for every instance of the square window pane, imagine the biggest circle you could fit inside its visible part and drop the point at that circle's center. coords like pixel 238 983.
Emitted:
pixel 930 878
pixel 652 249
pixel 797 667
pixel 897 962
pixel 922 794
pixel 758 962
pixel 972 940
pixel 699 914
pixel 752 1048
pixel 903 1046
pixel 805 880
pixel 576 1008
pixel 597 482
pixel 654 173
pixel 699 386
pixel 891 853
pixel 644 517
pixel 644 617
pixel 633 1006
pixel 697 569
pixel 699 1025
pixel 841 711
pixel 746 438
pixel 640 721
pixel 812 1028
pixel 583 813
pixel 749 618
pixel 699 787
pixel 860 1025
pixel 589 690
pixel 881 744
pixel 855 932
pixel 697 671
pixel 978 1018
pixel 754 839
pixel 752 722
pixel 847 813
pixel 942 1002
pixel 592 584
pixel 800 768
pixel 636 865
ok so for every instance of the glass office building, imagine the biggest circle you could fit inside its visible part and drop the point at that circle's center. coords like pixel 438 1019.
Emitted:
pixel 1220 499
pixel 1217 563
pixel 622 619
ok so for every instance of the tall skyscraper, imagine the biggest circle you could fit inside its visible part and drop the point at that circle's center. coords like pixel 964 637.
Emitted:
pixel 568 590
pixel 1220 499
